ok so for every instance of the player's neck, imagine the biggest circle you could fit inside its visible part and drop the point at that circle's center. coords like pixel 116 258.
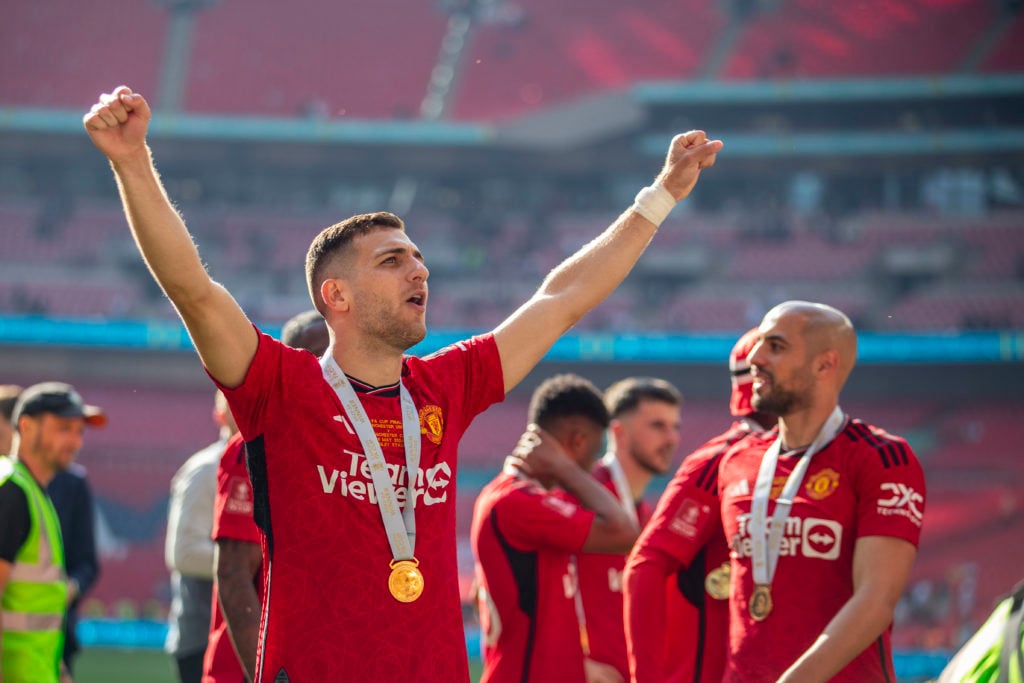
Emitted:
pixel 374 366
pixel 797 430
pixel 637 476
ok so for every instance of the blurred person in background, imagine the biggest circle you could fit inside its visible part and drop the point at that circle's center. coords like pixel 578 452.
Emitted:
pixel 643 435
pixel 50 420
pixel 524 535
pixel 189 549
pixel 238 561
pixel 8 397
pixel 347 435
pixel 823 514
pixel 677 577
pixel 72 498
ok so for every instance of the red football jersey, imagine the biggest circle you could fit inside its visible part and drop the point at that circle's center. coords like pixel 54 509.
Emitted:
pixel 683 541
pixel 865 482
pixel 232 519
pixel 327 612
pixel 522 536
pixel 600 576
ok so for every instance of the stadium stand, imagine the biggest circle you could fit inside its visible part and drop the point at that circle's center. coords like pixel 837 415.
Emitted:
pixel 808 39
pixel 313 59
pixel 54 56
pixel 530 57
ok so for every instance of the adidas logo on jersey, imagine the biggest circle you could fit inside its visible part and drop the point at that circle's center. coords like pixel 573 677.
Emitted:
pixel 737 489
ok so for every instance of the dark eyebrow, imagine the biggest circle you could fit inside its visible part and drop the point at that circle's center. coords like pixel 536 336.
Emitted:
pixel 398 251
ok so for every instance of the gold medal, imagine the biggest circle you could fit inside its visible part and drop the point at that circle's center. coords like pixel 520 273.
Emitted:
pixel 716 583
pixel 761 602
pixel 406 580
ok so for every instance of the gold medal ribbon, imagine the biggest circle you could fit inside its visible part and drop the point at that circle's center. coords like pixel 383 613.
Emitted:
pixel 406 580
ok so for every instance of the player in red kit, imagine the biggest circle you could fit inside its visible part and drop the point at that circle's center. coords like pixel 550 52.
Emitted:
pixel 235 617
pixel 676 579
pixel 823 514
pixel 643 437
pixel 524 535
pixel 353 459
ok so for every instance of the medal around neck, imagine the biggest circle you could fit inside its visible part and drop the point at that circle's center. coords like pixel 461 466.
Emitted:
pixel 761 602
pixel 406 580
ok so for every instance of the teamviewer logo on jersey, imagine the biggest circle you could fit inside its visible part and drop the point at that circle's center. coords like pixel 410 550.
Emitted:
pixel 901 500
pixel 810 537
pixel 821 538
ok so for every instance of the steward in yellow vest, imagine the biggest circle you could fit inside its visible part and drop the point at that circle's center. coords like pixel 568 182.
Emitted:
pixel 49 420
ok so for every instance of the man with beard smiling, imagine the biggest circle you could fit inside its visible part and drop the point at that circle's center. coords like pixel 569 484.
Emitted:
pixel 823 514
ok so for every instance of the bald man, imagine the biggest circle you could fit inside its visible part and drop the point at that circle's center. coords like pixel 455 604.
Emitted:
pixel 814 601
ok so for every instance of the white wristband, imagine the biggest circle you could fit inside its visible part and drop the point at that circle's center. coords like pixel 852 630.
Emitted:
pixel 654 203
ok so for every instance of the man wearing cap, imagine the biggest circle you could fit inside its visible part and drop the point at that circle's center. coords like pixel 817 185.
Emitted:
pixel 676 582
pixel 49 422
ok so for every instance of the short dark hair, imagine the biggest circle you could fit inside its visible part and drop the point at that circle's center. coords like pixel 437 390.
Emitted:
pixel 625 395
pixel 567 395
pixel 8 397
pixel 333 242
pixel 307 330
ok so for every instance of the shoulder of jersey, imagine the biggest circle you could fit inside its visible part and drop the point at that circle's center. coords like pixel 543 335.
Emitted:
pixel 892 450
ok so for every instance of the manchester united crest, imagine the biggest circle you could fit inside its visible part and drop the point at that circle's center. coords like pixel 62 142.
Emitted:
pixel 432 423
pixel 822 484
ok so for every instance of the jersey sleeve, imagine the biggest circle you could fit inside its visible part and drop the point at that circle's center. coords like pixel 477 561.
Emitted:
pixel 891 488
pixel 263 386
pixel 644 595
pixel 233 505
pixel 688 512
pixel 16 520
pixel 534 519
pixel 472 368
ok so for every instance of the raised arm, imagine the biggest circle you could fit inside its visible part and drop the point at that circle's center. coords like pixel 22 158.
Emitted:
pixel 222 334
pixel 881 566
pixel 587 277
pixel 539 455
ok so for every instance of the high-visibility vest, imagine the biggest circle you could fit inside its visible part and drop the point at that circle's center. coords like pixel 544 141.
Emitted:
pixel 995 653
pixel 35 598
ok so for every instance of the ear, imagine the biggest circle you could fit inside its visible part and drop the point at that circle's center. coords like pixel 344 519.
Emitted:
pixel 616 429
pixel 827 362
pixel 576 446
pixel 336 294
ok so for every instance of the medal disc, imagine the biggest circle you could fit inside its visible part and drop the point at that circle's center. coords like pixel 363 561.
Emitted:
pixel 406 580
pixel 761 602
pixel 716 583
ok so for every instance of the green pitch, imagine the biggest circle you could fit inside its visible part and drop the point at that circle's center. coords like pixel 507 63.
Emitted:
pixel 102 665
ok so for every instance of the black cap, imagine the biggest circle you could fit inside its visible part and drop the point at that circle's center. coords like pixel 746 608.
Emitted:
pixel 59 399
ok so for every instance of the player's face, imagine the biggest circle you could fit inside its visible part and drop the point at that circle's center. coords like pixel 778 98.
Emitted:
pixel 54 441
pixel 651 433
pixel 390 289
pixel 781 367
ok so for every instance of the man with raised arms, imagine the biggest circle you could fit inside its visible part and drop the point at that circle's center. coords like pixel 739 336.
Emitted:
pixel 356 498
